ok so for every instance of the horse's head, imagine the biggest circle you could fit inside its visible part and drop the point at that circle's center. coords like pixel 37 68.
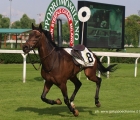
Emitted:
pixel 34 38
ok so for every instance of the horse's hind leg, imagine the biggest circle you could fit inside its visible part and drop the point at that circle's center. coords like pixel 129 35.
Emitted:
pixel 47 86
pixel 98 84
pixel 63 88
pixel 91 74
pixel 77 84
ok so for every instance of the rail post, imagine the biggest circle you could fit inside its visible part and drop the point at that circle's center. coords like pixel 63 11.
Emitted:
pixel 24 67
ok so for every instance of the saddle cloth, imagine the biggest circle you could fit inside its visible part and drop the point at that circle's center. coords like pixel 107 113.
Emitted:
pixel 88 57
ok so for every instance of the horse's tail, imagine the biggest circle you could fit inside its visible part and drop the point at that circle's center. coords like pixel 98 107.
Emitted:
pixel 103 70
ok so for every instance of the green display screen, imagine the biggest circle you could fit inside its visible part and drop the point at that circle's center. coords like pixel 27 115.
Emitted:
pixel 105 27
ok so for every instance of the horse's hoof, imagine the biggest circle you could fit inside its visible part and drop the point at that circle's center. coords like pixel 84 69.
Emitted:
pixel 58 101
pixel 76 113
pixel 98 104
pixel 72 104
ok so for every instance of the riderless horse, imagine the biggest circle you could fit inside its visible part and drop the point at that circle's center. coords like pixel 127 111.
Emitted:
pixel 58 66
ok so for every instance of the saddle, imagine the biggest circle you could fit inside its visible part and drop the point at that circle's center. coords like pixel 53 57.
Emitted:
pixel 76 53
pixel 79 47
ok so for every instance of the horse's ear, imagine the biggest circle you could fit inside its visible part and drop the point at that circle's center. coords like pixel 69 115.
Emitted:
pixel 33 26
pixel 40 26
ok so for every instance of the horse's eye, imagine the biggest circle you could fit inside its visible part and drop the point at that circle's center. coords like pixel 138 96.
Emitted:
pixel 37 36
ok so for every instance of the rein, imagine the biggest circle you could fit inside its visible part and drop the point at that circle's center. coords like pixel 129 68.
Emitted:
pixel 33 62
pixel 49 53
pixel 52 66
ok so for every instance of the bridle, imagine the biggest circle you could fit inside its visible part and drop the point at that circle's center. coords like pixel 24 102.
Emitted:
pixel 32 48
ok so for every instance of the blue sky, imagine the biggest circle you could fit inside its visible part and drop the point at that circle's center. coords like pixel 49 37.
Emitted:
pixel 36 9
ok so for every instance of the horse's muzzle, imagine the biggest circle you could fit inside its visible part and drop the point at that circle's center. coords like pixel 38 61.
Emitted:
pixel 26 49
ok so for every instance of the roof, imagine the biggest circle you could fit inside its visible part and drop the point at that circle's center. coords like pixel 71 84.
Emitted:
pixel 8 30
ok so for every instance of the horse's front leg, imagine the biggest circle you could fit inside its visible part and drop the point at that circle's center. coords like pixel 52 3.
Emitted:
pixel 47 86
pixel 63 88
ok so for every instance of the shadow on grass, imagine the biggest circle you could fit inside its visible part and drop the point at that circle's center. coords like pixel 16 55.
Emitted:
pixel 38 78
pixel 55 110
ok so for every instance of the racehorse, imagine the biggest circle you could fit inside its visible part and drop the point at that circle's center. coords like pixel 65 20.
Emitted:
pixel 58 66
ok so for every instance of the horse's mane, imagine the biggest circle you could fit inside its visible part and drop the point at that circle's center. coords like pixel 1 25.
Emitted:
pixel 47 34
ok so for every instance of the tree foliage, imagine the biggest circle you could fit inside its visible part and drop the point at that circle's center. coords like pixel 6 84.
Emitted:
pixel 16 25
pixel 132 30
pixel 25 21
pixel 4 22
pixel 66 32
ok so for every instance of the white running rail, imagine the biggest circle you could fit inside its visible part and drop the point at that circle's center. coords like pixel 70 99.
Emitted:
pixel 102 54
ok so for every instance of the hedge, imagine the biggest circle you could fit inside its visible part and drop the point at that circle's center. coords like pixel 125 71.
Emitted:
pixel 8 58
pixel 120 60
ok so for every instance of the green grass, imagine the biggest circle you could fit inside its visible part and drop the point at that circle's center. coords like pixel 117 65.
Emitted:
pixel 119 96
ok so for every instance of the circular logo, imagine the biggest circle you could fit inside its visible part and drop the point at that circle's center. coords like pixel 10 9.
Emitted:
pixel 81 12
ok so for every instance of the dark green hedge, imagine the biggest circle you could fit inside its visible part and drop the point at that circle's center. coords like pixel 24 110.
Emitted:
pixel 17 58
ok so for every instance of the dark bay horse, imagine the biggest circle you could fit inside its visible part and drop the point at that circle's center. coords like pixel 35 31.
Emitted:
pixel 58 67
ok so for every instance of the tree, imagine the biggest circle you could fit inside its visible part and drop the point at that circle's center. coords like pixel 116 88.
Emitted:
pixel 132 29
pixel 16 24
pixel 25 21
pixel 4 22
pixel 66 32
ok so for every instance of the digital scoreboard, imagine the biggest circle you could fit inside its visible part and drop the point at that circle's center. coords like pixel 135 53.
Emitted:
pixel 105 27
